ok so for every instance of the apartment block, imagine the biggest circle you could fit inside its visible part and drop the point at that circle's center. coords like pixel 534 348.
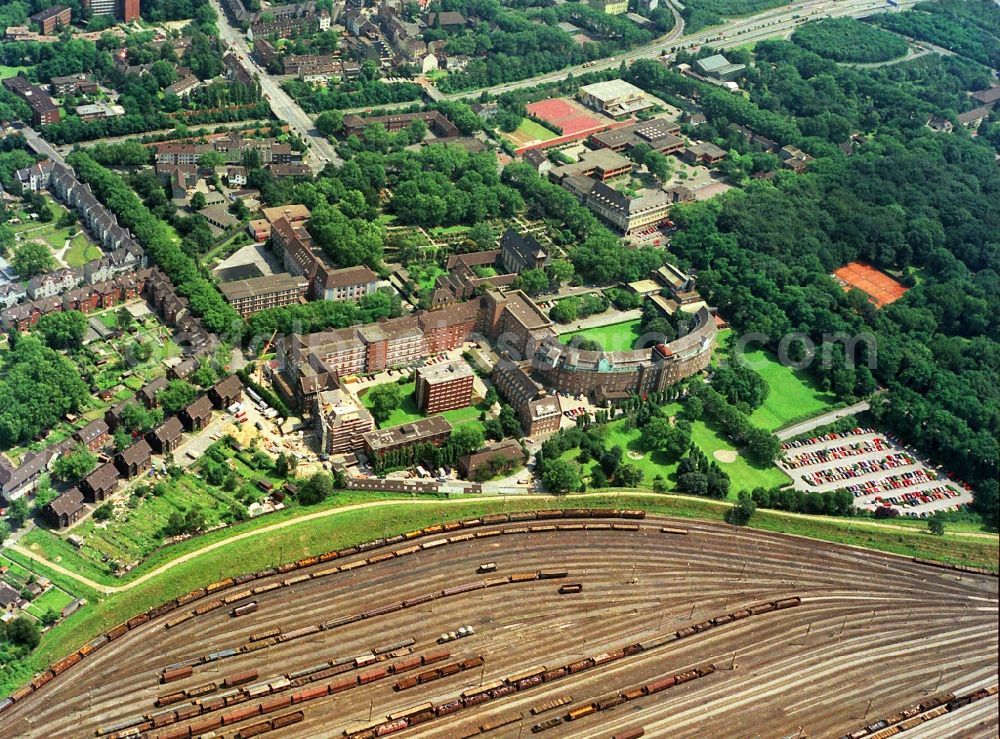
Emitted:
pixel 443 387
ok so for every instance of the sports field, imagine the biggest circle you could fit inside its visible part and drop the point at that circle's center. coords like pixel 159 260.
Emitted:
pixel 529 132
pixel 877 285
pixel 567 115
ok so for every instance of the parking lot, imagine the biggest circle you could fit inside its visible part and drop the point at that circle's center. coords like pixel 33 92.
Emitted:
pixel 876 469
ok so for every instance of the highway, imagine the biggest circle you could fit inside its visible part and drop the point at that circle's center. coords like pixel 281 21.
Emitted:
pixel 321 152
pixel 737 32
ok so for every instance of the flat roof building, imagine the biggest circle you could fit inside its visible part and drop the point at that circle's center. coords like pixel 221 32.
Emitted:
pixel 657 133
pixel 432 430
pixel 43 110
pixel 260 293
pixel 603 165
pixel 719 67
pixel 443 387
pixel 341 422
pixel 615 98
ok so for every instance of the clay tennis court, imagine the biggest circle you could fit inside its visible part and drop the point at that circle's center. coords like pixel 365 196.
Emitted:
pixel 568 116
pixel 874 283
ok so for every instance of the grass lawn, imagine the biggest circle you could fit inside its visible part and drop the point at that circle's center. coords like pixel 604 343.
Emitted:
pixel 425 275
pixel 529 130
pixel 794 396
pixel 350 527
pixel 744 474
pixel 407 411
pixel 615 337
pixel 447 230
pixel 6 71
pixel 53 599
pixel 81 251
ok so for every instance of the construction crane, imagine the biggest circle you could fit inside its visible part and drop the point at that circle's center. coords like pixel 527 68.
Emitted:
pixel 260 364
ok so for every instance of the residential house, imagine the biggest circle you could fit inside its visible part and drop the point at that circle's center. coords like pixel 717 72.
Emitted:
pixel 36 177
pixel 135 460
pixel 94 435
pixel 166 437
pixel 226 392
pixel 197 414
pixel 65 510
pixel 491 460
pixel 101 483
pixel 147 394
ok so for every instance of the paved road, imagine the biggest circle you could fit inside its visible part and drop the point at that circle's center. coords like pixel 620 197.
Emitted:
pixel 736 32
pixel 801 428
pixel 321 152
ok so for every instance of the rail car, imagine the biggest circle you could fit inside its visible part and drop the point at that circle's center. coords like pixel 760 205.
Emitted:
pixel 199 593
pixel 244 610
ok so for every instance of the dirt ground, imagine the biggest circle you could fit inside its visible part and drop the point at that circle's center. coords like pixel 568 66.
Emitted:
pixel 871 627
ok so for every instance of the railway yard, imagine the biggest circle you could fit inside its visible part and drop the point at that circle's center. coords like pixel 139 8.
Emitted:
pixel 676 629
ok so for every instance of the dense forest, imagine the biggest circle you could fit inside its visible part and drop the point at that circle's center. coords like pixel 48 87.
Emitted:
pixel 508 44
pixel 918 204
pixel 849 40
pixel 967 27
pixel 38 388
pixel 698 14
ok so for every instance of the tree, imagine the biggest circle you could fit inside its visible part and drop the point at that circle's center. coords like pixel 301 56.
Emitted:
pixel 330 123
pixel 24 632
pixel 124 318
pixel 176 395
pixel 534 282
pixel 559 271
pixel 18 512
pixel 565 311
pixel 935 526
pixel 659 435
pixel 508 420
pixel 561 476
pixel 103 512
pixel 467 439
pixel 198 201
pixel 39 387
pixel 739 514
pixel 211 160
pixel 628 475
pixel 32 258
pixel 383 400
pixel 285 465
pixel 316 489
pixel 483 234
pixel 62 330
pixel 493 429
pixel 136 418
pixel 239 209
pixel 75 465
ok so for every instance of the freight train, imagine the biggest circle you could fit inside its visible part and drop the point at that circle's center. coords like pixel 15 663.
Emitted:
pixel 200 593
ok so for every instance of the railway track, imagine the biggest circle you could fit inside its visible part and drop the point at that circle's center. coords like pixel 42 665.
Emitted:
pixel 869 627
